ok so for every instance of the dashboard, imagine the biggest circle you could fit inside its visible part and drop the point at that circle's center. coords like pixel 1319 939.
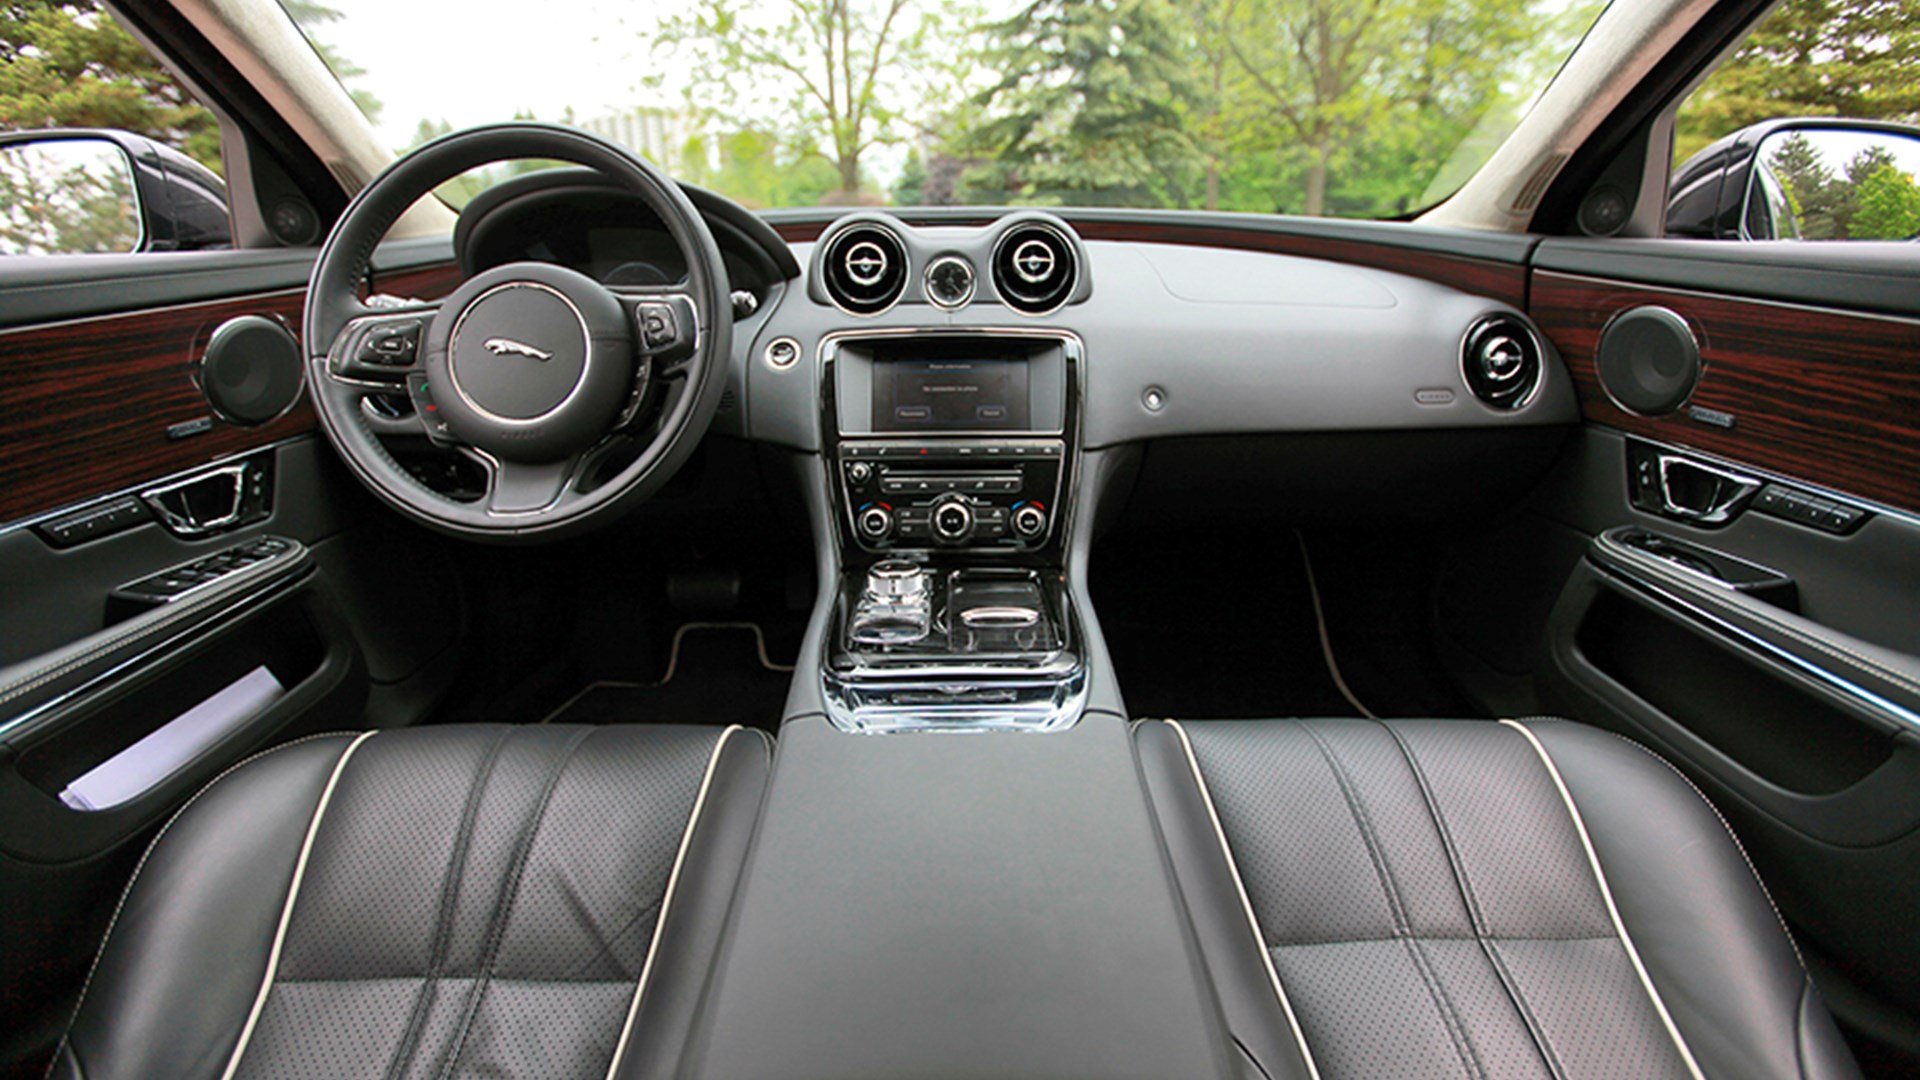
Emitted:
pixel 1103 329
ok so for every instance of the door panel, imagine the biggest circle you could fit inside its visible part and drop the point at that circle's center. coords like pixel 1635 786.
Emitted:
pixel 115 708
pixel 91 406
pixel 1826 396
pixel 1797 710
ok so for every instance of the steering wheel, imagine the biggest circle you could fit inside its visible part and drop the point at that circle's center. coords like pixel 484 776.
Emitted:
pixel 576 399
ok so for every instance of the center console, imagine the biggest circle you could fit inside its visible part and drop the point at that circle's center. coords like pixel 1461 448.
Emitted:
pixel 952 455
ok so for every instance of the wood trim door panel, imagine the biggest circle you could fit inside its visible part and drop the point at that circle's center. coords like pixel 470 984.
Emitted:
pixel 85 404
pixel 1831 397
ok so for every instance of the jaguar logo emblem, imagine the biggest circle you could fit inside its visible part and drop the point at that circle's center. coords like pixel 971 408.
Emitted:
pixel 500 346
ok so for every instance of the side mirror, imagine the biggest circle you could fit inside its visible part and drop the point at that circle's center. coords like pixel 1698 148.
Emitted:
pixel 1803 179
pixel 101 191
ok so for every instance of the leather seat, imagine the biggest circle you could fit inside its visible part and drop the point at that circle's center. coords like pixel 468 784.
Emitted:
pixel 1475 899
pixel 442 901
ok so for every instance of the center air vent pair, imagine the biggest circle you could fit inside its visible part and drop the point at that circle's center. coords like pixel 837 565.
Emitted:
pixel 867 266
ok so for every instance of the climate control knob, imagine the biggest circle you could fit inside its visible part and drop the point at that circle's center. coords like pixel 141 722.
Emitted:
pixel 952 520
pixel 1029 522
pixel 876 522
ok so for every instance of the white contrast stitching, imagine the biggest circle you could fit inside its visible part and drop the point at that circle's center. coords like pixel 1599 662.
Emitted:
pixel 666 899
pixel 1606 894
pixel 1731 835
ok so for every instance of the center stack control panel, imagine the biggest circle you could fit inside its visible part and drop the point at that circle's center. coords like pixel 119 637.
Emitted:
pixel 982 495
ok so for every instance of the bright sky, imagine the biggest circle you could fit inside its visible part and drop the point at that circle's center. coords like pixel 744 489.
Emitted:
pixel 453 61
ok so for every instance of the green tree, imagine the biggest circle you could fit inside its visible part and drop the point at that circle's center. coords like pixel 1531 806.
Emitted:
pixel 1090 103
pixel 1887 205
pixel 67 63
pixel 837 68
pixel 1387 89
pixel 1818 198
pixel 1851 58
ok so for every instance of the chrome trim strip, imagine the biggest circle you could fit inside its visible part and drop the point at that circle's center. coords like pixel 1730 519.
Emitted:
pixel 1834 682
pixel 1613 910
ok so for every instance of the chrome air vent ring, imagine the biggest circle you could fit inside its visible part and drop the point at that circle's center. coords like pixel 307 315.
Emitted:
pixel 1035 267
pixel 864 268
pixel 1503 361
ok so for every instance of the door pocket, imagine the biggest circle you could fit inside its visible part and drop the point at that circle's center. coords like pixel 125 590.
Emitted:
pixel 1774 728
pixel 138 739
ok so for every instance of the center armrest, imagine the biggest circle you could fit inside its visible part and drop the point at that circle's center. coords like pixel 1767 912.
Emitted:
pixel 981 905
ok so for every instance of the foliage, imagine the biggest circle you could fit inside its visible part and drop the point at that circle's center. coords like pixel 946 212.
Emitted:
pixel 1888 206
pixel 759 169
pixel 66 198
pixel 67 63
pixel 1089 107
pixel 1872 198
pixel 841 71
pixel 1852 58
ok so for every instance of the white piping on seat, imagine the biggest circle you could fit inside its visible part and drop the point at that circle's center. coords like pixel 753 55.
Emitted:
pixel 286 911
pixel 1246 904
pixel 666 901
pixel 1606 893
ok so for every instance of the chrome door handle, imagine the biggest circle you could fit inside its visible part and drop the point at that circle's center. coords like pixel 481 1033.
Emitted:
pixel 201 504
pixel 1693 491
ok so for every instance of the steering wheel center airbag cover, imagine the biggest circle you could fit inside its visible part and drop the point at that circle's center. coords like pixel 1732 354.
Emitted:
pixel 538 357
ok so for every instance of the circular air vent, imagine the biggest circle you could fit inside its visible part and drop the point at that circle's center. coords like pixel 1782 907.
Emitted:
pixel 1501 358
pixel 865 268
pixel 1034 267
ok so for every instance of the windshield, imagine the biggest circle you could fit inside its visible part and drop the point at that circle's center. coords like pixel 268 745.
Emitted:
pixel 1348 108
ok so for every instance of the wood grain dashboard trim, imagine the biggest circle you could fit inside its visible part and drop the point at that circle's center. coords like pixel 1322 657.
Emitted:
pixel 1830 397
pixel 1502 281
pixel 85 404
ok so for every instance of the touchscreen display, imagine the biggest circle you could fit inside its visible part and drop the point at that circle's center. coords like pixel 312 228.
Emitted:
pixel 950 395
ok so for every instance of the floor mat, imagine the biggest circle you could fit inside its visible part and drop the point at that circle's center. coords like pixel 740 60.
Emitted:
pixel 717 673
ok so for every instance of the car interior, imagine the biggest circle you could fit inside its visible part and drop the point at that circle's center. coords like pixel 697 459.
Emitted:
pixel 611 631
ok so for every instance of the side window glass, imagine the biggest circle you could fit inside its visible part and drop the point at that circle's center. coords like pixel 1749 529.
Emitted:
pixel 1809 130
pixel 101 150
